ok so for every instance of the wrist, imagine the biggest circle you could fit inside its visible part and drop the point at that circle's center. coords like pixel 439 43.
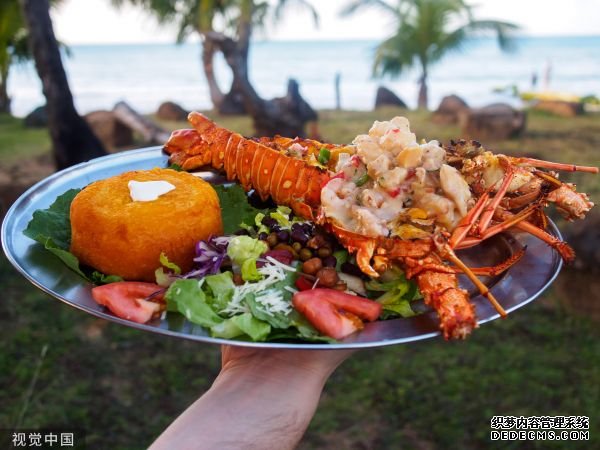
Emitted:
pixel 272 374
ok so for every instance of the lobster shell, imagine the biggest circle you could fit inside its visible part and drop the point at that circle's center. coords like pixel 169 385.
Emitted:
pixel 271 172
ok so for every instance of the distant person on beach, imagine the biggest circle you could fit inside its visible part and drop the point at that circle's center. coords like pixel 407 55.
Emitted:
pixel 262 398
pixel 547 75
pixel 534 80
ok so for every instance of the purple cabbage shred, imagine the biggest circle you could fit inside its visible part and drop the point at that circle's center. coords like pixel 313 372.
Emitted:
pixel 210 254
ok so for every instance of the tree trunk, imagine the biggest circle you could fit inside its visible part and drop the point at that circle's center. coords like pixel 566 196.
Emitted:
pixel 286 116
pixel 208 54
pixel 151 132
pixel 422 102
pixel 4 98
pixel 72 139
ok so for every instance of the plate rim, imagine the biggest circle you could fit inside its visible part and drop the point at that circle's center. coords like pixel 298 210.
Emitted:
pixel 10 217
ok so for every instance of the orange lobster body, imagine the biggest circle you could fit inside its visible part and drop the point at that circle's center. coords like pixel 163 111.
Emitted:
pixel 287 180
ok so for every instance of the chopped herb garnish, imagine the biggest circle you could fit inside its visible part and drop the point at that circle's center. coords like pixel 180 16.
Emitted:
pixel 324 156
pixel 362 180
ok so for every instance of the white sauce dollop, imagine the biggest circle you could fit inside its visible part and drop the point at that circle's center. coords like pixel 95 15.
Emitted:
pixel 147 191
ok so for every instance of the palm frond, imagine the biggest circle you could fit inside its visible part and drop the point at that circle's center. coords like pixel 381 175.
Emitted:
pixel 397 53
pixel 354 6
pixel 283 5
pixel 504 32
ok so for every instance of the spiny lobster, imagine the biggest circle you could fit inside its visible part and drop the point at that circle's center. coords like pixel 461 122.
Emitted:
pixel 509 192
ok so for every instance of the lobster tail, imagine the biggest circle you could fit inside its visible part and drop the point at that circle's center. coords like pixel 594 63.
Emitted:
pixel 270 171
pixel 441 292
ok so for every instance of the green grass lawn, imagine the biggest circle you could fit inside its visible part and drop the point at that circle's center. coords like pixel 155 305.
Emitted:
pixel 18 142
pixel 123 386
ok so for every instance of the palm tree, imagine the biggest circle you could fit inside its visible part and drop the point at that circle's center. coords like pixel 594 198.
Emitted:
pixel 223 25
pixel 425 31
pixel 72 139
pixel 13 45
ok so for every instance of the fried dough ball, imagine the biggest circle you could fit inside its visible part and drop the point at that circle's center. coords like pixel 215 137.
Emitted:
pixel 118 236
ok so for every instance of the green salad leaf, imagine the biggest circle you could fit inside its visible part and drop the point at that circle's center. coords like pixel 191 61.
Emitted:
pixel 198 301
pixel 235 208
pixel 243 324
pixel 53 223
pixel 249 270
pixel 187 297
pixel 100 278
pixel 51 227
pixel 164 260
pixel 68 258
pixel 396 297
pixel 253 327
pixel 219 290
pixel 242 248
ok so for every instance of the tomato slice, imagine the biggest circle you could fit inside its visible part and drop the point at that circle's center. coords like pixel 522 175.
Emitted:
pixel 364 308
pixel 303 283
pixel 325 317
pixel 334 313
pixel 126 299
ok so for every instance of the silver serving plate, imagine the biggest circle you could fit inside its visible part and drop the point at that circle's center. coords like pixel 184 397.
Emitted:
pixel 524 282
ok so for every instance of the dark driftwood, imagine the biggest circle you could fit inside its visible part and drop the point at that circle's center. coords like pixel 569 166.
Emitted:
pixel 151 133
pixel 72 139
pixel 286 116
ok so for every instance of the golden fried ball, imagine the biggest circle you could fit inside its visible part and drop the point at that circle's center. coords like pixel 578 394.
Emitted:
pixel 118 236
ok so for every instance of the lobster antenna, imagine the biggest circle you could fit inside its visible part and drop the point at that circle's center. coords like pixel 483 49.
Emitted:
pixel 558 166
pixel 476 281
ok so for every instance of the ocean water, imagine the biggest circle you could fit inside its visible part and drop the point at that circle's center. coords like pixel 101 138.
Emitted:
pixel 146 75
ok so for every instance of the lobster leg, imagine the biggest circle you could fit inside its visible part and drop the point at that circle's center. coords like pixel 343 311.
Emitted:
pixel 476 281
pixel 488 213
pixel 509 221
pixel 565 250
pixel 415 268
pixel 557 166
pixel 461 231
pixel 500 268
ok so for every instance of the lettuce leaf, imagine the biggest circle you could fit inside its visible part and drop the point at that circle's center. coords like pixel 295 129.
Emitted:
pixel 242 248
pixel 164 260
pixel 100 278
pixel 243 324
pixel 398 294
pixel 51 227
pixel 249 270
pixel 53 223
pixel 218 289
pixel 187 297
pixel 235 208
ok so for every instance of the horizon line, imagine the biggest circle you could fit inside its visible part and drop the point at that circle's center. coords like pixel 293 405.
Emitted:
pixel 285 40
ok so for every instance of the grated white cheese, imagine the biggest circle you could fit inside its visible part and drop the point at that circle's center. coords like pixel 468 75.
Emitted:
pixel 315 283
pixel 280 264
pixel 270 299
pixel 272 302
pixel 291 289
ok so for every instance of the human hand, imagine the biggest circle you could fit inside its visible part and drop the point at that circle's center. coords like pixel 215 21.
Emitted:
pixel 262 398
pixel 274 363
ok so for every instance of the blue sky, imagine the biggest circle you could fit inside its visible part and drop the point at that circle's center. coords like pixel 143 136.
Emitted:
pixel 95 21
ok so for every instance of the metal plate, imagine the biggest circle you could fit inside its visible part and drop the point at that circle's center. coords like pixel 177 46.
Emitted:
pixel 521 284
